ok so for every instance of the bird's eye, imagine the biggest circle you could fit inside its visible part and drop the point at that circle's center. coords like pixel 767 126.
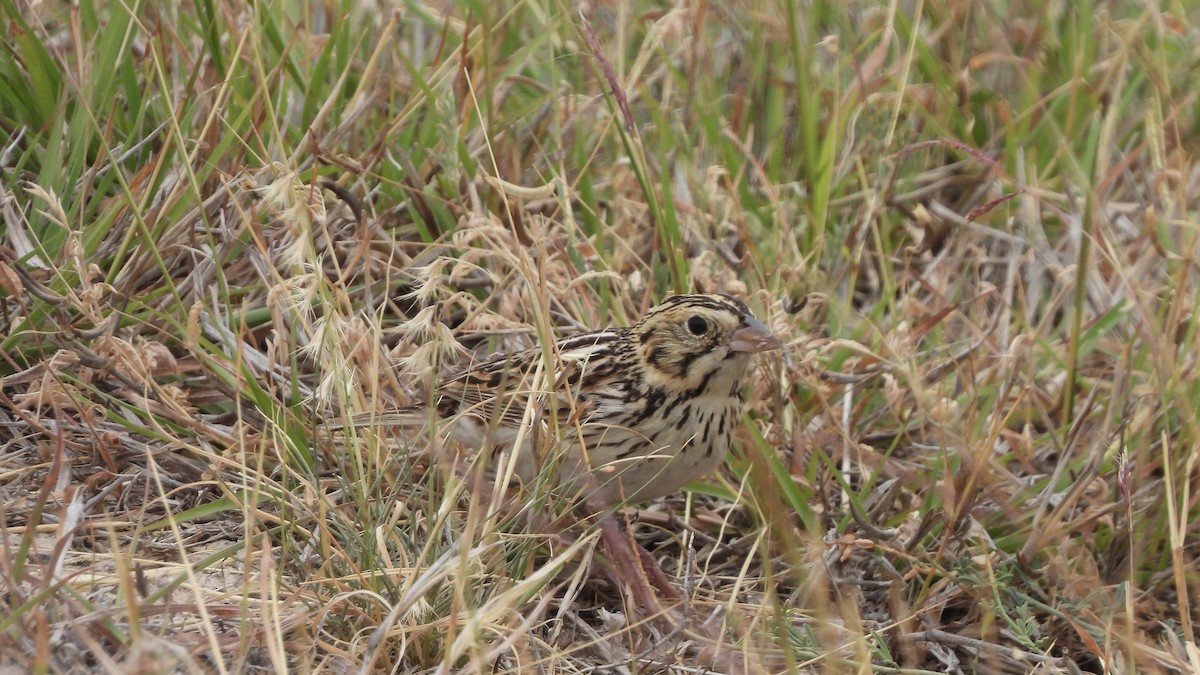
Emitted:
pixel 697 325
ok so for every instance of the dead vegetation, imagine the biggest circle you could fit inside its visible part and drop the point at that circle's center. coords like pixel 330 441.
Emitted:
pixel 977 454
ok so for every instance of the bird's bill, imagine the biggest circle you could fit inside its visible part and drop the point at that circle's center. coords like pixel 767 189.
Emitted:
pixel 753 337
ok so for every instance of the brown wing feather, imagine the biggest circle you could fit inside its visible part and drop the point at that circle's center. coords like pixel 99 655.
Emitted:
pixel 503 385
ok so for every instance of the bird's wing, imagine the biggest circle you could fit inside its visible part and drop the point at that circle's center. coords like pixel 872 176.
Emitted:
pixel 507 385
pixel 500 389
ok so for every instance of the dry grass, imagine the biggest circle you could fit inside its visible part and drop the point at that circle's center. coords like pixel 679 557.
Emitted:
pixel 228 227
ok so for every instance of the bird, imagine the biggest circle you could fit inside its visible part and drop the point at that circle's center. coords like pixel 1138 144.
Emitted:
pixel 614 417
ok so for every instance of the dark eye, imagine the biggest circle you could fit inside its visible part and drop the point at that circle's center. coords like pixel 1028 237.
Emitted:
pixel 697 325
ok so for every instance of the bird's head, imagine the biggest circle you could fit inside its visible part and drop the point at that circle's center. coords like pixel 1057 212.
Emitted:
pixel 700 344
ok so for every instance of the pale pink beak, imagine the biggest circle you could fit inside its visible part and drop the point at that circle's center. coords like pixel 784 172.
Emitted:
pixel 753 337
